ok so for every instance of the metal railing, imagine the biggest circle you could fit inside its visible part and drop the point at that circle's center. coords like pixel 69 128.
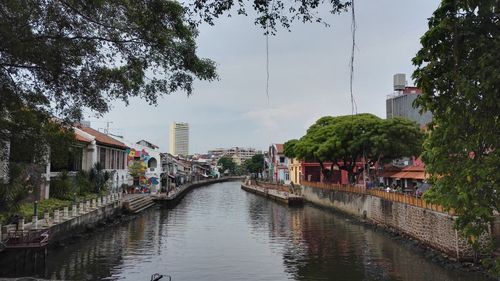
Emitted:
pixel 390 196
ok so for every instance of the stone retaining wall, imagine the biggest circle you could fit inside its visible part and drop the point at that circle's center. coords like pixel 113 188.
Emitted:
pixel 432 228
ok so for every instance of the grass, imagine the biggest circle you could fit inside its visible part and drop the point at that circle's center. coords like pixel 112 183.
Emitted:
pixel 26 210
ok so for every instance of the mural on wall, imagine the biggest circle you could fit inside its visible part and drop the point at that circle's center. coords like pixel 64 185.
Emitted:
pixel 143 158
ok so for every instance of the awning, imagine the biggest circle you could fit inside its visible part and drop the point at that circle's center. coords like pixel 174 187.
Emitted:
pixel 418 175
pixel 415 175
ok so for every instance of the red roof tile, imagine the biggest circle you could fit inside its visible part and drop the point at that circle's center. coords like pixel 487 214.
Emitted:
pixel 405 175
pixel 103 139
pixel 279 147
pixel 82 138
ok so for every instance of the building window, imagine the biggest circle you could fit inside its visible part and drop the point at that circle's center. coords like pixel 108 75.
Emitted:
pixel 117 159
pixel 102 157
pixel 120 159
pixel 75 159
pixel 152 163
pixel 113 159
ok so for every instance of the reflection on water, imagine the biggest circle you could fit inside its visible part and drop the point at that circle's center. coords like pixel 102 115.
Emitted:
pixel 220 232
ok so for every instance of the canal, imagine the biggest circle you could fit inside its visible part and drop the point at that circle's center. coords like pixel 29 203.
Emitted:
pixel 220 232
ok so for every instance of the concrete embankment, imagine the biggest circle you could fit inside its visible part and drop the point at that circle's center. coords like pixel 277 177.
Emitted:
pixel 276 195
pixel 67 222
pixel 433 228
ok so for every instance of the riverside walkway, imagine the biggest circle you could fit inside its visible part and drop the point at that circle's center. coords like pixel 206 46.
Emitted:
pixel 273 193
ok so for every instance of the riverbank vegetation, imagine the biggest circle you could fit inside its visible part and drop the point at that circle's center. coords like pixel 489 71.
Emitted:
pixel 343 140
pixel 17 196
pixel 457 70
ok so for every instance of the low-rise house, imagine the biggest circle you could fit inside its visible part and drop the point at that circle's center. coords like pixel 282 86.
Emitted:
pixel 149 157
pixel 295 170
pixel 91 147
pixel 176 171
pixel 407 177
pixel 278 164
pixel 311 171
pixel 101 148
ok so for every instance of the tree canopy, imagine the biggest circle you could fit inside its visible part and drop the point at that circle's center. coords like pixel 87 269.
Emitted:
pixel 344 140
pixel 63 57
pixel 269 14
pixel 457 70
pixel 227 164
pixel 255 164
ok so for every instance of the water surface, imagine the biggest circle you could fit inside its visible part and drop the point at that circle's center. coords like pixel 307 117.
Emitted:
pixel 220 232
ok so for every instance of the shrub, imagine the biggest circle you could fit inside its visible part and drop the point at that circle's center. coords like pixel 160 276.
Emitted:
pixel 82 183
pixel 98 178
pixel 61 187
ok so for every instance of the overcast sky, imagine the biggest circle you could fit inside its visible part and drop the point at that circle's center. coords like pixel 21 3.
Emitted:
pixel 309 78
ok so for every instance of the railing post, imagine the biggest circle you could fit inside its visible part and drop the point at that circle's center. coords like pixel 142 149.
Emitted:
pixel 73 210
pixel 80 208
pixel 65 213
pixel 46 218
pixel 20 224
pixel 56 216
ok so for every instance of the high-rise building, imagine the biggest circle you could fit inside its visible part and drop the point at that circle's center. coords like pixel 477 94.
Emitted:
pixel 400 103
pixel 179 139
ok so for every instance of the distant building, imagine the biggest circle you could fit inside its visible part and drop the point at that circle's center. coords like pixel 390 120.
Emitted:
pixel 277 164
pixel 238 154
pixel 295 170
pixel 147 144
pixel 179 139
pixel 148 156
pixel 400 103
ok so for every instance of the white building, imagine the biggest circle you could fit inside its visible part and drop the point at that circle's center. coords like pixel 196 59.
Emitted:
pixel 150 157
pixel 179 139
pixel 238 154
pixel 101 148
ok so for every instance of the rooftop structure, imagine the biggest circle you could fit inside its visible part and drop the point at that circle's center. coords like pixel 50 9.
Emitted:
pixel 400 103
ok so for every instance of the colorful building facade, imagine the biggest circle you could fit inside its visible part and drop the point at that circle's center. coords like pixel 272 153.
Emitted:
pixel 148 158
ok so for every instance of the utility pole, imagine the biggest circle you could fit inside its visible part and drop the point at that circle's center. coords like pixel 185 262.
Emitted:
pixel 168 174
pixel 107 127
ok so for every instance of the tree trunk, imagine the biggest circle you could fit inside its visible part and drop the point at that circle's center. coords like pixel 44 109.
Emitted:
pixel 322 171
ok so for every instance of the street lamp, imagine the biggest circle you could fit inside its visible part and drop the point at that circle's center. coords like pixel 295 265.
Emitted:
pixel 35 214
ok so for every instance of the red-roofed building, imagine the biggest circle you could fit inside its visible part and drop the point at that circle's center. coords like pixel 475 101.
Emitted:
pixel 93 147
pixel 407 176
pixel 103 139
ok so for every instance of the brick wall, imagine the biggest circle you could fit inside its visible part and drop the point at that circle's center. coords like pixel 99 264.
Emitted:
pixel 432 228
